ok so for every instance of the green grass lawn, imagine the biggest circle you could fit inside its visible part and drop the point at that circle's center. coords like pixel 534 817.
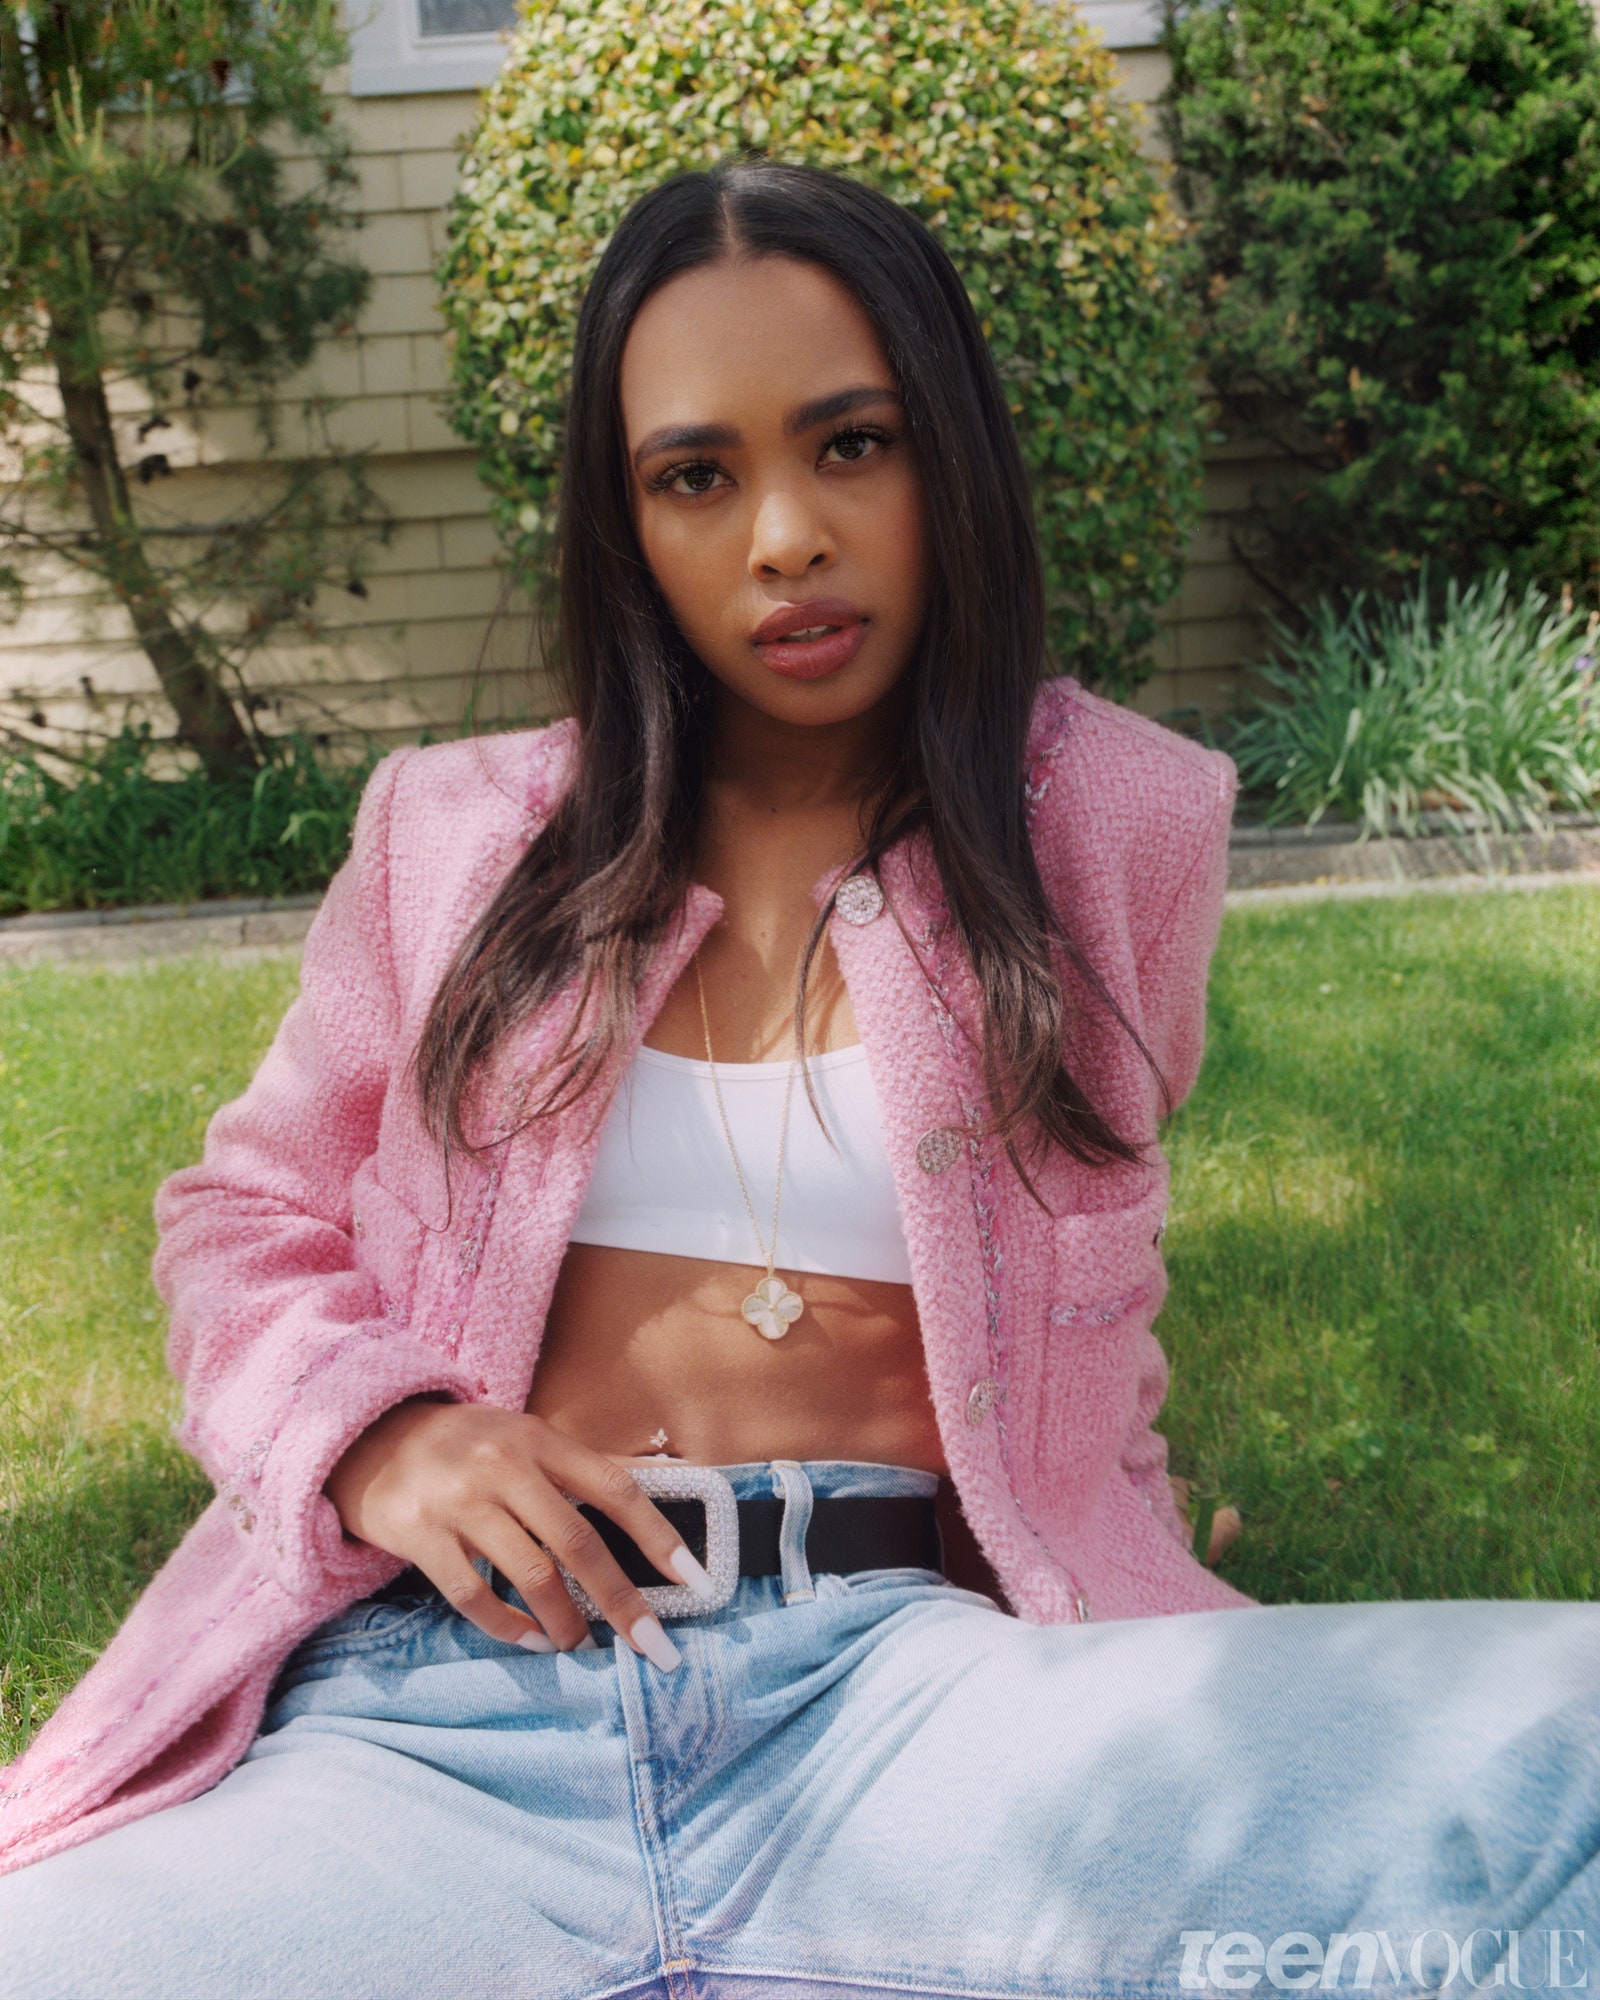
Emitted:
pixel 1385 1248
pixel 1385 1259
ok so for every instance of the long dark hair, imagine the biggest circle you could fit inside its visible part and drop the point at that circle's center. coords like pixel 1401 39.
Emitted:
pixel 597 888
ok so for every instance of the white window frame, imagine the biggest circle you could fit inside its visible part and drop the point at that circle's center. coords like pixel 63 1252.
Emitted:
pixel 390 58
pixel 1125 24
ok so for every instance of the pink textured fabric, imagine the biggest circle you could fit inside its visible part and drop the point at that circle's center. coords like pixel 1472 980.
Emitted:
pixel 321 1266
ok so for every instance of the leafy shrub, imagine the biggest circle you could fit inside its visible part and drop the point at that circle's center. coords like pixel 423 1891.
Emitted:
pixel 1486 706
pixel 1395 250
pixel 997 123
pixel 117 833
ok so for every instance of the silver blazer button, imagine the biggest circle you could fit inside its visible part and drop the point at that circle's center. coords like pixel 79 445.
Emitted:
pixel 859 899
pixel 981 1401
pixel 939 1149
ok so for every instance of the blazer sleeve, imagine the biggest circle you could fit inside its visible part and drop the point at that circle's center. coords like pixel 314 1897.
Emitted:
pixel 278 1334
pixel 1172 975
pixel 1175 961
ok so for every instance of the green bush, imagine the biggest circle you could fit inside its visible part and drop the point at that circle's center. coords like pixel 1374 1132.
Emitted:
pixel 997 123
pixel 116 832
pixel 1395 249
pixel 1484 706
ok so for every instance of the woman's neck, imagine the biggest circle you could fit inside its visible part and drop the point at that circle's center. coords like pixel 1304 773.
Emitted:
pixel 778 768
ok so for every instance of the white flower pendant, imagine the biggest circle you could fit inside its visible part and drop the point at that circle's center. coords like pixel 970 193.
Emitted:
pixel 772 1308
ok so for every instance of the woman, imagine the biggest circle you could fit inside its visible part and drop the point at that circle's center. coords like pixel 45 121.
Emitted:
pixel 533 1206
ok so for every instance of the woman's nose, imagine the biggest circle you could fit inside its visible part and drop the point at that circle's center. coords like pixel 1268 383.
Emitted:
pixel 787 537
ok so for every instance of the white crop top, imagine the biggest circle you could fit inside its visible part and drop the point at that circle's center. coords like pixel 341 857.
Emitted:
pixel 663 1180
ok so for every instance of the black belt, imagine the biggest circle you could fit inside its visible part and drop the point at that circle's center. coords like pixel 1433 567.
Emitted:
pixel 886 1531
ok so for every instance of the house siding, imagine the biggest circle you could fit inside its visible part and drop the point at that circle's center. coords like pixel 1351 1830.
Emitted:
pixel 424 642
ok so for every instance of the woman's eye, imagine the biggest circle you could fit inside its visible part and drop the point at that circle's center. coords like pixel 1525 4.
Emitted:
pixel 849 447
pixel 701 477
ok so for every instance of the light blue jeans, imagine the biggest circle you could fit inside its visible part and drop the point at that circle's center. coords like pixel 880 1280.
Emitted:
pixel 877 1785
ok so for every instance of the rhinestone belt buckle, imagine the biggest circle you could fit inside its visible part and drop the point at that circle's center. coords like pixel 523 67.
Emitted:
pixel 676 1600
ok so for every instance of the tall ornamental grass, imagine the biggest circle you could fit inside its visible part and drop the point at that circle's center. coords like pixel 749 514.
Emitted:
pixel 1483 706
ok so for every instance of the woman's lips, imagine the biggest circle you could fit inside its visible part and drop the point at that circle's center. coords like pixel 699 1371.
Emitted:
pixel 807 642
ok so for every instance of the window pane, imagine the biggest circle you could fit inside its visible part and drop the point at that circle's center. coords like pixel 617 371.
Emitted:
pixel 465 17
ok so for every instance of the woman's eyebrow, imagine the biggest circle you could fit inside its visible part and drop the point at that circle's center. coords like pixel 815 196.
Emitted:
pixel 826 408
pixel 724 437
pixel 688 437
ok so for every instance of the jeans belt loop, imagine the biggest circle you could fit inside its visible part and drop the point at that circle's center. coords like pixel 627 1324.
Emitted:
pixel 794 1489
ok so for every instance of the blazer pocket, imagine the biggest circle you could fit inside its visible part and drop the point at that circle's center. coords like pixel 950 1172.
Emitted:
pixel 1106 1265
pixel 1106 1281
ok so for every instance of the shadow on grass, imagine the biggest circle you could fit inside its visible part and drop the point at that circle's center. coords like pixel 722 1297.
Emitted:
pixel 97 1525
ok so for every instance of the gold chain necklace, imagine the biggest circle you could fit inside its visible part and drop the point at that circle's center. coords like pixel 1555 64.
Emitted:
pixel 772 1308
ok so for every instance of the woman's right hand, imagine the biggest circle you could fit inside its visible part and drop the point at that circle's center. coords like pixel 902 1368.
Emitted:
pixel 439 1483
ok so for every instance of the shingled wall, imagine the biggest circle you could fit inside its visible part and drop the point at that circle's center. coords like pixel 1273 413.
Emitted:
pixel 423 642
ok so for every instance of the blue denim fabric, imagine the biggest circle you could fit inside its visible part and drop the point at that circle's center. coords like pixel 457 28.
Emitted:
pixel 887 1787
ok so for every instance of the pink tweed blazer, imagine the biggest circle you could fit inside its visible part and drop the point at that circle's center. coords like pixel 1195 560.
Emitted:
pixel 321 1266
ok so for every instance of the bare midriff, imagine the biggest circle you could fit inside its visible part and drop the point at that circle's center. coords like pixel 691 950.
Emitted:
pixel 646 1354
pixel 638 1344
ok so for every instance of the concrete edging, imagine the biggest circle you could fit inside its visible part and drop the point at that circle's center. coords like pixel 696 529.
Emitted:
pixel 1436 885
pixel 101 937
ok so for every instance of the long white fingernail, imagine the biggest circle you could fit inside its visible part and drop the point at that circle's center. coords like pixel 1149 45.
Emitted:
pixel 587 1644
pixel 649 1636
pixel 687 1570
pixel 535 1641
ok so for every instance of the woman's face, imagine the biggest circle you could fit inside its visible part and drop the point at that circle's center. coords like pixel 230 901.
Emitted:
pixel 775 493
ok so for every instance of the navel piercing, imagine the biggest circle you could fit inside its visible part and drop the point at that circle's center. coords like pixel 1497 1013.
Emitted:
pixel 659 1440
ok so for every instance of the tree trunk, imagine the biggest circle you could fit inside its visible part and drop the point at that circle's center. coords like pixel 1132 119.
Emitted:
pixel 208 722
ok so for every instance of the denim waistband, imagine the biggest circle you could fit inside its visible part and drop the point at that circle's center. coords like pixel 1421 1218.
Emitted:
pixel 829 1479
